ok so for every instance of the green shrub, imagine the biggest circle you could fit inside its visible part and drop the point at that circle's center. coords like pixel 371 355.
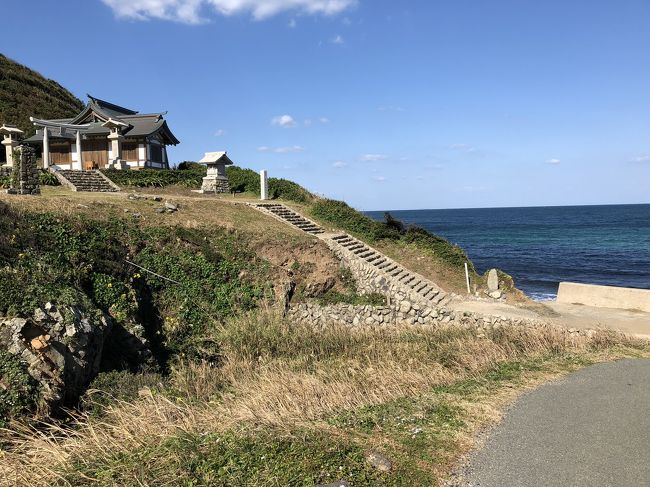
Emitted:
pixel 47 178
pixel 248 181
pixel 17 388
pixel 341 215
pixel 77 260
pixel 243 180
pixel 288 190
pixel 191 166
pixel 145 178
pixel 447 251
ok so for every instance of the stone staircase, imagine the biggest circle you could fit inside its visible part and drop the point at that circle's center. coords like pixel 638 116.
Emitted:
pixel 286 215
pixel 410 282
pixel 92 181
pixel 374 271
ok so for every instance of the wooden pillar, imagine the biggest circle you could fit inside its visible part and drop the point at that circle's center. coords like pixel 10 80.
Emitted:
pixel 46 149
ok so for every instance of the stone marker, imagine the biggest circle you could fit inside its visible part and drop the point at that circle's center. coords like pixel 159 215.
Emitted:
pixel 24 177
pixel 11 134
pixel 493 280
pixel 264 185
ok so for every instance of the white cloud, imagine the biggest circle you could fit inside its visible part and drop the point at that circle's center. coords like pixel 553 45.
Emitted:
pixel 324 120
pixel 642 159
pixel 338 40
pixel 390 108
pixel 339 164
pixel 281 150
pixel 220 133
pixel 379 179
pixel 284 121
pixel 463 147
pixel 373 157
pixel 553 161
pixel 190 11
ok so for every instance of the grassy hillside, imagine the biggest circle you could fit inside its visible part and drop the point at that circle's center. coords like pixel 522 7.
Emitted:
pixel 238 394
pixel 25 93
pixel 416 248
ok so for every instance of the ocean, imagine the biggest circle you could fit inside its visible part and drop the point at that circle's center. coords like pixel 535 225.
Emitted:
pixel 542 246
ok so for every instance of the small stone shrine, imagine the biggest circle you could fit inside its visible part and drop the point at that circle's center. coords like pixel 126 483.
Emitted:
pixel 24 177
pixel 10 134
pixel 216 180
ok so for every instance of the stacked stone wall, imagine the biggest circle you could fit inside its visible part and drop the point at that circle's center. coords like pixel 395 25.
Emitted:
pixel 24 177
pixel 215 185
pixel 407 313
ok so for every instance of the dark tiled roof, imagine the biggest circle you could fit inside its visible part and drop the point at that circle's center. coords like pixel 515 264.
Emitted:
pixel 139 125
pixel 110 108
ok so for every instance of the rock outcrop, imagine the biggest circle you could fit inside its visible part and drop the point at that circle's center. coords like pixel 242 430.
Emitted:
pixel 62 347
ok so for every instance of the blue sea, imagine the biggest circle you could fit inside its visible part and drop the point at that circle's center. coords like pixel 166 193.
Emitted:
pixel 541 246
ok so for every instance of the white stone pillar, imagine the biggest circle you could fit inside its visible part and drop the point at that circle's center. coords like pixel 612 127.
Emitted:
pixel 46 149
pixel 79 164
pixel 264 185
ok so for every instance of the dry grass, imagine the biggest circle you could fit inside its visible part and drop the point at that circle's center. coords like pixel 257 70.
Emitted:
pixel 281 376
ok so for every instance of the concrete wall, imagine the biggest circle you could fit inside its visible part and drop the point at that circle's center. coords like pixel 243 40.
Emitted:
pixel 604 296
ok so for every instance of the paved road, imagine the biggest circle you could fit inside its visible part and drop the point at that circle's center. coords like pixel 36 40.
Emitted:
pixel 590 429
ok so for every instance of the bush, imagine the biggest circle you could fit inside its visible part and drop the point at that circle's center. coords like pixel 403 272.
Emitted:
pixel 69 260
pixel 288 190
pixel 341 215
pixel 153 178
pixel 444 249
pixel 191 166
pixel 243 180
pixel 18 389
pixel 46 178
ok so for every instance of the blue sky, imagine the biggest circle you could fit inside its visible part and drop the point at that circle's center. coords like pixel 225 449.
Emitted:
pixel 388 105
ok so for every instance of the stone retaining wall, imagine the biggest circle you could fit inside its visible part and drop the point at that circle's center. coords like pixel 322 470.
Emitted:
pixel 406 313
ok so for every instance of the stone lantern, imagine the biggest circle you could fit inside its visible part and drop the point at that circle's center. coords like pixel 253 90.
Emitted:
pixel 10 141
pixel 115 138
pixel 216 180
